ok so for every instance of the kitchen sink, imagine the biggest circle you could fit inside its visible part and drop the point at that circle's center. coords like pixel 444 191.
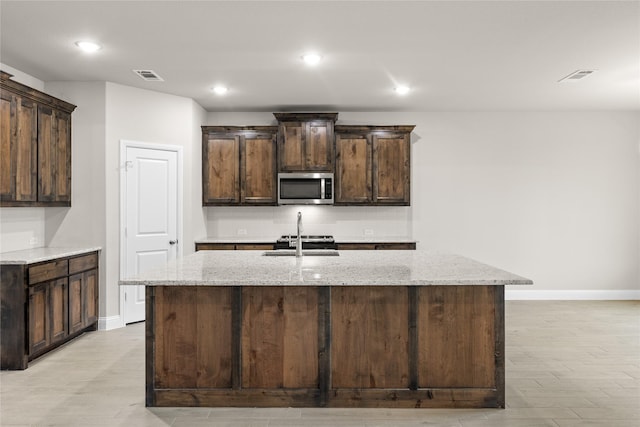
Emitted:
pixel 305 252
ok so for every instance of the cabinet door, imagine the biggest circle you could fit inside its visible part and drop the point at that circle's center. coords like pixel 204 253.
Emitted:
pixel 39 333
pixel 306 146
pixel 18 149
pixel 291 146
pixel 62 144
pixel 83 300
pixel 353 169
pixel 391 171
pixel 318 146
pixel 258 173
pixel 46 154
pixel 58 300
pixel 75 303
pixel 90 297
pixel 220 170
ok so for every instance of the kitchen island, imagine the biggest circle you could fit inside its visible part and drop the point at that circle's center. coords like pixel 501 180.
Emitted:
pixel 362 329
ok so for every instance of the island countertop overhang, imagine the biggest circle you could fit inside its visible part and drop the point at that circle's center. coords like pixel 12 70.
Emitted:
pixel 351 268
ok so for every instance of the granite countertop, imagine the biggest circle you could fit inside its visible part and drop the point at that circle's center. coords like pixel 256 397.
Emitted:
pixel 34 255
pixel 350 268
pixel 338 239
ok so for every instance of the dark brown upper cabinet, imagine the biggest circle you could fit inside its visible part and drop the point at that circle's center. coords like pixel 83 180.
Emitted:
pixel 238 165
pixel 35 147
pixel 373 165
pixel 305 142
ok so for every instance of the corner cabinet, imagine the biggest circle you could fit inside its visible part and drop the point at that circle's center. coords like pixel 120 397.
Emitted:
pixel 238 165
pixel 373 165
pixel 46 304
pixel 305 142
pixel 35 142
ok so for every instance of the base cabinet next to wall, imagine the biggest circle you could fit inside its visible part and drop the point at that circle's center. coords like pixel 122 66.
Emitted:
pixel 46 304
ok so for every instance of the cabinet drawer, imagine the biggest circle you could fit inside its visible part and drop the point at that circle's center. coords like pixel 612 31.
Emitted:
pixel 48 271
pixel 255 247
pixel 215 247
pixel 83 263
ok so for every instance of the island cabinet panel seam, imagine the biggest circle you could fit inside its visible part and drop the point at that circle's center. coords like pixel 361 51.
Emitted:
pixel 324 344
pixel 150 344
pixel 236 338
pixel 499 346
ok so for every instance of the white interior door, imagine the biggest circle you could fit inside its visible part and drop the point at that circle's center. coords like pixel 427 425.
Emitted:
pixel 151 218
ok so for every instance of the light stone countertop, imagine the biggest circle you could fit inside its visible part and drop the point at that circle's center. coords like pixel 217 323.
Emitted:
pixel 338 239
pixel 350 268
pixel 34 255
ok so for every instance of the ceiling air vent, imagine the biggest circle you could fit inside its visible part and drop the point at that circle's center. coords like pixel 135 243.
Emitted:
pixel 149 75
pixel 577 75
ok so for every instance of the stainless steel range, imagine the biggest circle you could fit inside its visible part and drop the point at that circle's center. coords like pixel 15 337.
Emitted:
pixel 308 242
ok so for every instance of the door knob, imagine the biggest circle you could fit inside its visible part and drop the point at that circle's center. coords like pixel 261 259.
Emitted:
pixel 173 242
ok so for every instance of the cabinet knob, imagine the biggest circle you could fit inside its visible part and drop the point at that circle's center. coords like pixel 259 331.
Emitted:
pixel 173 242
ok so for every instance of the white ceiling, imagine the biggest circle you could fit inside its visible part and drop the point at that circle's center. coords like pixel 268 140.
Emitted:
pixel 456 56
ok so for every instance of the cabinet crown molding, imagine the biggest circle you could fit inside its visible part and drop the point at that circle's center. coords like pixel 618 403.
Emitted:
pixel 305 117
pixel 6 83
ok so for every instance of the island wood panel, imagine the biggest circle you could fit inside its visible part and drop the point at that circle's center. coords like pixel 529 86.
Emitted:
pixel 456 337
pixel 370 337
pixel 193 337
pixel 279 337
pixel 364 346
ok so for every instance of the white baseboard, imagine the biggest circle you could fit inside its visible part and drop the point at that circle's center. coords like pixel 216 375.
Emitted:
pixel 510 294
pixel 111 322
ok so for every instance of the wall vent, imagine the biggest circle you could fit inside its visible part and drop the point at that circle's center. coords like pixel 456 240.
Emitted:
pixel 577 75
pixel 149 75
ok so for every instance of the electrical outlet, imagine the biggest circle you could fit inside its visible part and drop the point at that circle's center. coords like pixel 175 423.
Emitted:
pixel 368 231
pixel 242 231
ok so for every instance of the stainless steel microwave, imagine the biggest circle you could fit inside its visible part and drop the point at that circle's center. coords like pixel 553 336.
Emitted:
pixel 305 188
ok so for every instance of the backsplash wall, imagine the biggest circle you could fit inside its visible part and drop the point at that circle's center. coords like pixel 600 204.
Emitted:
pixel 339 221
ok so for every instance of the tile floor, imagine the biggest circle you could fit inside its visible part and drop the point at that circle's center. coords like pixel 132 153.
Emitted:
pixel 569 363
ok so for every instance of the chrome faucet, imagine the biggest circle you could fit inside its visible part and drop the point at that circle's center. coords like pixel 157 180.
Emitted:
pixel 299 237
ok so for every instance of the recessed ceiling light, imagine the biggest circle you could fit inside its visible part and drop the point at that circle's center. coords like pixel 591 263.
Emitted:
pixel 402 90
pixel 311 59
pixel 220 90
pixel 88 46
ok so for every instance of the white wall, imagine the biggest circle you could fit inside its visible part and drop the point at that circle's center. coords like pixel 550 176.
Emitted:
pixel 553 196
pixel 22 77
pixel 83 224
pixel 152 117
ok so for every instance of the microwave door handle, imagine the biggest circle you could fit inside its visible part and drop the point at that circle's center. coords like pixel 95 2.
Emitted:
pixel 322 180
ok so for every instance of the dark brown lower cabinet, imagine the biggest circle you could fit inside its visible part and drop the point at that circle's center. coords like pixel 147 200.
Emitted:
pixel 343 346
pixel 44 305
pixel 48 319
pixel 83 296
